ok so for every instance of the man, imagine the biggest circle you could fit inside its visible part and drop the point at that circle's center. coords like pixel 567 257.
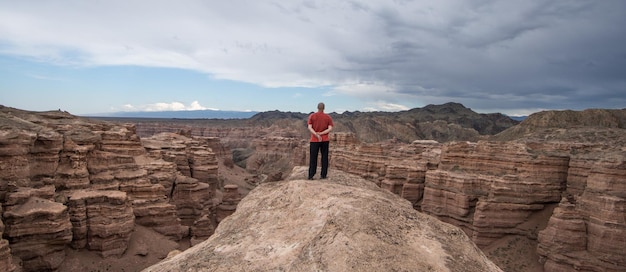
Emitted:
pixel 320 124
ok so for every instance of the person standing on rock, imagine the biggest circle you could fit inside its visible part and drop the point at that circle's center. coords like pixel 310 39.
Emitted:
pixel 320 124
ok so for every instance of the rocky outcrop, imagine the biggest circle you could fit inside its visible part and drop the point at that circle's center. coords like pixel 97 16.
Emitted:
pixel 202 229
pixel 591 126
pixel 152 203
pixel 192 191
pixel 192 199
pixel 269 144
pixel 554 189
pixel 229 203
pixel 102 221
pixel 38 232
pixel 487 188
pixel 350 225
pixel 193 156
pixel 276 155
pixel 129 173
pixel 588 229
pixel 394 166
pixel 493 187
pixel 6 259
pixel 496 190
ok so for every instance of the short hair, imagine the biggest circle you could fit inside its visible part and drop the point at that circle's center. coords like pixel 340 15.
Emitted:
pixel 320 106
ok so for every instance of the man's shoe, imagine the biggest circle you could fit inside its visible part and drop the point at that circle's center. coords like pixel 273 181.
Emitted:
pixel 310 178
pixel 323 177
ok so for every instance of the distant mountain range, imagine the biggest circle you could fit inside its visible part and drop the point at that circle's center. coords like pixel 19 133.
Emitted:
pixel 191 114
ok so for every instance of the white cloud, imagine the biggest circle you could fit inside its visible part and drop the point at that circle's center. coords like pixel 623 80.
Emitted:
pixel 128 107
pixel 385 106
pixel 195 105
pixel 164 106
pixel 365 88
pixel 393 107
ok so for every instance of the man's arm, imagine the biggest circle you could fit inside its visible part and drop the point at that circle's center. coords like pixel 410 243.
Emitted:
pixel 326 131
pixel 318 135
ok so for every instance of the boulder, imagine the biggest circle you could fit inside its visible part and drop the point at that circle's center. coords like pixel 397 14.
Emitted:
pixel 343 223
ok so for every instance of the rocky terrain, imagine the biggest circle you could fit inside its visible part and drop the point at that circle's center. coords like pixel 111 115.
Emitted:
pixel 547 194
pixel 344 223
pixel 443 123
pixel 253 142
pixel 69 184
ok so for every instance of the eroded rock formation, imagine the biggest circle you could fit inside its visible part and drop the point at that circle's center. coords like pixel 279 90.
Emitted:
pixel 69 181
pixel 588 229
pixel 343 224
pixel 551 190
pixel 230 200
pixel 102 220
pixel 38 231
pixel 495 190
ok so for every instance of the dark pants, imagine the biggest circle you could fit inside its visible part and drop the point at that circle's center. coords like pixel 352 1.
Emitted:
pixel 315 148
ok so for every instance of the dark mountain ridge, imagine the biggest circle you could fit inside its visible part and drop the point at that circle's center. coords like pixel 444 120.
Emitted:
pixel 590 125
pixel 443 123
pixel 446 122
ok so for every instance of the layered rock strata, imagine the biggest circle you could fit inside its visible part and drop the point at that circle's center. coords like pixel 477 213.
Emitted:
pixel 275 156
pixel 230 200
pixel 201 230
pixel 68 181
pixel 101 221
pixel 493 187
pixel 193 157
pixel 396 167
pixel 38 232
pixel 588 229
pixel 494 190
pixel 193 189
pixel 6 259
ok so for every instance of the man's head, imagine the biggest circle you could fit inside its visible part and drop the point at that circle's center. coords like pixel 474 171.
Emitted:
pixel 320 106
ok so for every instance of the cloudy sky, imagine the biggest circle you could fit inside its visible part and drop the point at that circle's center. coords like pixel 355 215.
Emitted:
pixel 514 57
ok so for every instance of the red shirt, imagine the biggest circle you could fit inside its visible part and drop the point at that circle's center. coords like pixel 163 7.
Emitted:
pixel 320 121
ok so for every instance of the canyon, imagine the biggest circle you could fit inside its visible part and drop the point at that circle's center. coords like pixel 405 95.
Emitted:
pixel 546 194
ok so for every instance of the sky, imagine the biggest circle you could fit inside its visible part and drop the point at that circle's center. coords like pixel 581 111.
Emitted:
pixel 514 57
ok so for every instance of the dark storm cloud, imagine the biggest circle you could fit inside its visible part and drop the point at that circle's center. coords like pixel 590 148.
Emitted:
pixel 508 56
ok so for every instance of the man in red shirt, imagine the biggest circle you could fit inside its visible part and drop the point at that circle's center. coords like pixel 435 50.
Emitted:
pixel 320 124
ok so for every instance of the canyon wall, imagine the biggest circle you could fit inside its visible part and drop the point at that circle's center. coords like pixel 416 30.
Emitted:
pixel 69 182
pixel 496 190
pixel 72 182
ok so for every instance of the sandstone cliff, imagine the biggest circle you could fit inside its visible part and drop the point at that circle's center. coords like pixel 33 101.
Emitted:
pixel 502 193
pixel 342 224
pixel 547 194
pixel 70 182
